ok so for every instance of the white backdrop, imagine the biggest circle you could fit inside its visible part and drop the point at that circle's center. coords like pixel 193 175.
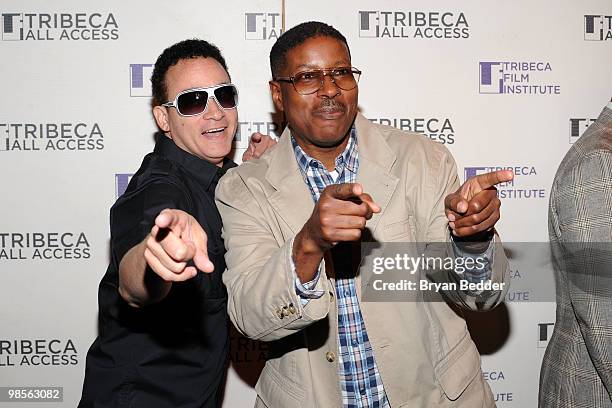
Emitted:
pixel 501 84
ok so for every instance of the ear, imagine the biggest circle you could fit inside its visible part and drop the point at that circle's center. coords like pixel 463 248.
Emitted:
pixel 161 117
pixel 277 95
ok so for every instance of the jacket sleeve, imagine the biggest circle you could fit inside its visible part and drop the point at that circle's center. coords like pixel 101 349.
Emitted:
pixel 447 182
pixel 263 303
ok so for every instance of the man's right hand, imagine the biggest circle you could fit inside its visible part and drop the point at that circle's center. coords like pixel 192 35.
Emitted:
pixel 339 215
pixel 175 239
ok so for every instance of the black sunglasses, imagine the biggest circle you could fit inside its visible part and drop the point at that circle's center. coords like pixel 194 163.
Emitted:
pixel 192 102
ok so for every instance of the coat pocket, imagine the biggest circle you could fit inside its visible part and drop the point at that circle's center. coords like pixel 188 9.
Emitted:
pixel 400 231
pixel 276 390
pixel 459 368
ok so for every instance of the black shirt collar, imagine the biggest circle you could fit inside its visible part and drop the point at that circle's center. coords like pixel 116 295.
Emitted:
pixel 204 172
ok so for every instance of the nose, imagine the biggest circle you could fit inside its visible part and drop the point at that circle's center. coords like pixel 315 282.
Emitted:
pixel 329 89
pixel 213 110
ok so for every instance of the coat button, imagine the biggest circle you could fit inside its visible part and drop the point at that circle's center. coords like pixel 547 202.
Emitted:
pixel 331 296
pixel 292 308
pixel 329 356
pixel 285 311
pixel 279 313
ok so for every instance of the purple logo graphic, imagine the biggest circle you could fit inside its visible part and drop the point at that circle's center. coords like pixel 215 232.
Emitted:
pixel 597 28
pixel 520 78
pixel 491 80
pixel 473 171
pixel 139 79
pixel 121 182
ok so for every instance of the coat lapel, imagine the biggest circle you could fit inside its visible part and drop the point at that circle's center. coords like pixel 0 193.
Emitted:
pixel 292 200
pixel 375 162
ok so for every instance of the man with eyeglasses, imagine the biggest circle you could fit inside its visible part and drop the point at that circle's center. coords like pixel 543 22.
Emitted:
pixel 291 222
pixel 163 327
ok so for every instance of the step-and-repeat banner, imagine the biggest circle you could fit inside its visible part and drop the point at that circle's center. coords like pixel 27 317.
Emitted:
pixel 501 84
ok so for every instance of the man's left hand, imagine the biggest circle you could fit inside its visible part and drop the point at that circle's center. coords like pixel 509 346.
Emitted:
pixel 258 145
pixel 474 208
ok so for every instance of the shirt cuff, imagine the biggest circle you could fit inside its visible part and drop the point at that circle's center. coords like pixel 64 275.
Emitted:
pixel 306 290
pixel 480 264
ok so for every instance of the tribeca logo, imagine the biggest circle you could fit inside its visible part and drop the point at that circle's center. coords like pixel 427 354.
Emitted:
pixel 516 78
pixel 577 128
pixel 520 294
pixel 437 129
pixel 38 352
pixel 139 76
pixel 498 376
pixel 544 332
pixel 74 136
pixel 246 129
pixel 413 24
pixel 262 26
pixel 121 183
pixel 597 28
pixel 44 245
pixel 514 189
pixel 59 26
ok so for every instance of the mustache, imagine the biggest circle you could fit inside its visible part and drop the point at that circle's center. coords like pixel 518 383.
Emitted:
pixel 331 105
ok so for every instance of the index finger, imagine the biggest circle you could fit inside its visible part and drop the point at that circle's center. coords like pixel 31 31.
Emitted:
pixel 171 219
pixel 488 180
pixel 256 137
pixel 344 191
pixel 366 198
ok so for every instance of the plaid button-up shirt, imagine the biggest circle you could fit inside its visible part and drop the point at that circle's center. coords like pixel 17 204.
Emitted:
pixel 360 381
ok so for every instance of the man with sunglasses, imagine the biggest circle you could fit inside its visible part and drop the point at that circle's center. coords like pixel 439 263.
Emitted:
pixel 163 339
pixel 291 222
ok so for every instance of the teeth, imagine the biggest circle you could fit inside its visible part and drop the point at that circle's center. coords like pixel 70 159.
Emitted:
pixel 214 130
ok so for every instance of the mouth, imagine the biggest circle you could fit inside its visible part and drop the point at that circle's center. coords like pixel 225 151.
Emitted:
pixel 330 110
pixel 329 114
pixel 214 131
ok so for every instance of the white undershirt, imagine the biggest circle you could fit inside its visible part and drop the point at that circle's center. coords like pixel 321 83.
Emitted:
pixel 334 173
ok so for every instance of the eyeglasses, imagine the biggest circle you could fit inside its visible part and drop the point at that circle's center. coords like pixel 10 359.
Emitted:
pixel 192 102
pixel 309 82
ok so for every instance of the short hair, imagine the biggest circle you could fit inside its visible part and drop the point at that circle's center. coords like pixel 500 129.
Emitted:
pixel 187 49
pixel 297 36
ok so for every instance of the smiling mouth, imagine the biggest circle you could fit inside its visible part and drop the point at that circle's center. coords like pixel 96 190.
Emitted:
pixel 213 131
